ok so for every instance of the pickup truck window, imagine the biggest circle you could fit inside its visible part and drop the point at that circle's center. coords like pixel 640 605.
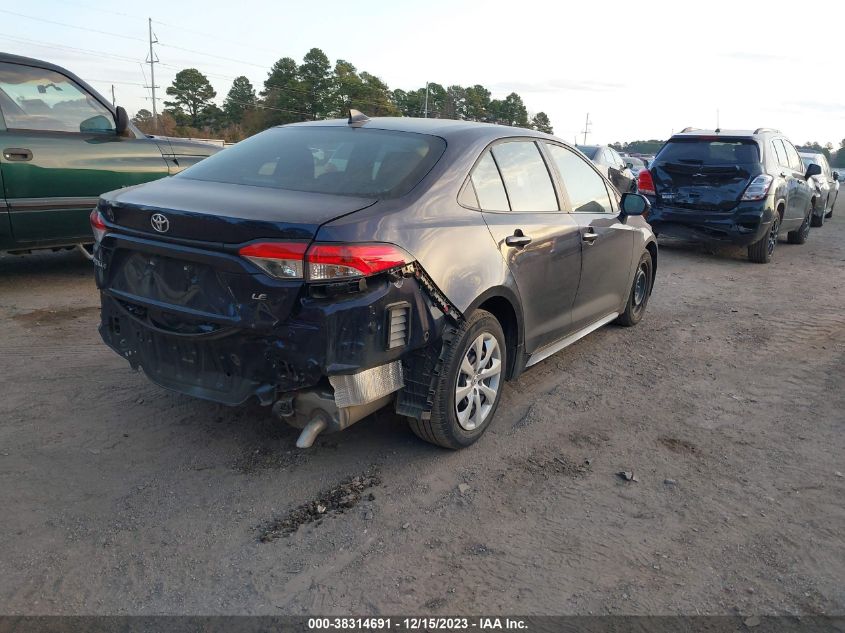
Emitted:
pixel 39 99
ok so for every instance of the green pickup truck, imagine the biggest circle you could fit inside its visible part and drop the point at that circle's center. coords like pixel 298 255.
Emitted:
pixel 61 146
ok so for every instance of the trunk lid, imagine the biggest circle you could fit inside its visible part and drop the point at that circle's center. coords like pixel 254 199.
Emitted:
pixel 705 173
pixel 225 213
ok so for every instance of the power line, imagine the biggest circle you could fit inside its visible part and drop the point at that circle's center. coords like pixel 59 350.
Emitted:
pixel 72 26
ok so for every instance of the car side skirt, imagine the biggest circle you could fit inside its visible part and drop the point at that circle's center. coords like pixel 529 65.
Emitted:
pixel 554 348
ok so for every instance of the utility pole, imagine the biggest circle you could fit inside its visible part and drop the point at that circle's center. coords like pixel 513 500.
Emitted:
pixel 586 128
pixel 152 61
pixel 426 101
pixel 718 127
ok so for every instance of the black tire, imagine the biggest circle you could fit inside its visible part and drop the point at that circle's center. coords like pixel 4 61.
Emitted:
pixel 761 251
pixel 816 220
pixel 640 292
pixel 800 235
pixel 443 428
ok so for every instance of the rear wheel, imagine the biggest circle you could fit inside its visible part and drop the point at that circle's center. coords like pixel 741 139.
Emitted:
pixel 469 386
pixel 762 250
pixel 799 235
pixel 640 292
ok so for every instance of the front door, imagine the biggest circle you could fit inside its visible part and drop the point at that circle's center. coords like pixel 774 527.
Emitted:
pixel 607 244
pixel 58 152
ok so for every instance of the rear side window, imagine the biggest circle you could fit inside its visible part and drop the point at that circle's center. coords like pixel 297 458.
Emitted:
pixel 780 152
pixel 526 177
pixel 700 151
pixel 586 189
pixel 792 156
pixel 488 185
pixel 336 160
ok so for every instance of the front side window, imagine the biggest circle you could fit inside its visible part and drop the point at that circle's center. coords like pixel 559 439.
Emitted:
pixel 332 159
pixel 526 177
pixel 586 189
pixel 39 99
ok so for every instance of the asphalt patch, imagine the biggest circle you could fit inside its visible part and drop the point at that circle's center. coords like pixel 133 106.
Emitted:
pixel 336 500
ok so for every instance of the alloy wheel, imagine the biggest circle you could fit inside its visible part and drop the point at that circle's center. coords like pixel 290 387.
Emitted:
pixel 478 382
pixel 773 235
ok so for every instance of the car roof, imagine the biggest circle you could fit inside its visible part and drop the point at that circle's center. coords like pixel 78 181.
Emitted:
pixel 444 128
pixel 759 132
pixel 37 63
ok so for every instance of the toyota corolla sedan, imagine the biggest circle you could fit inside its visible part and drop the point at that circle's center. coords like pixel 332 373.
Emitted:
pixel 332 268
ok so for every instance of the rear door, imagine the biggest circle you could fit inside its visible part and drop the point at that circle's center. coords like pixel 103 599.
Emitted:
pixel 541 244
pixel 607 244
pixel 59 152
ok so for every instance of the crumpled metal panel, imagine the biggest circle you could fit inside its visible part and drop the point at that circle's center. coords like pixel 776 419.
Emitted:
pixel 368 385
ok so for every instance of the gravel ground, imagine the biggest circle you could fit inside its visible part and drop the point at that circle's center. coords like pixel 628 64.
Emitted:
pixel 727 403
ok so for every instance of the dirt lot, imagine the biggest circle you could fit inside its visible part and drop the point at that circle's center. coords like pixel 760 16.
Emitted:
pixel 727 403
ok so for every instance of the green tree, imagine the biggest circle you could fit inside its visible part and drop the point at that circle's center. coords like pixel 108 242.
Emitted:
pixel 510 111
pixel 283 98
pixel 192 93
pixel 477 103
pixel 241 98
pixel 541 123
pixel 316 82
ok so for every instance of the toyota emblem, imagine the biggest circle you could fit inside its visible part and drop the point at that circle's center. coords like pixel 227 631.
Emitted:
pixel 160 222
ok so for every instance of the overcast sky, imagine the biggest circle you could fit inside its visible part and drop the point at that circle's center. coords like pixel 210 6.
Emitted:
pixel 641 68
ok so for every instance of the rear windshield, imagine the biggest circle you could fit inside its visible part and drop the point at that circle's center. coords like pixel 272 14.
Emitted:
pixel 710 152
pixel 589 151
pixel 338 160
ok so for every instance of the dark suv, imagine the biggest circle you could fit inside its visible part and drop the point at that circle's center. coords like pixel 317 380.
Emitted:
pixel 738 187
pixel 333 268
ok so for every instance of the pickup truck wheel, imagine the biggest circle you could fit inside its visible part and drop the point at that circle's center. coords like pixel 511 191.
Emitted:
pixel 469 386
pixel 761 251
pixel 640 292
pixel 799 235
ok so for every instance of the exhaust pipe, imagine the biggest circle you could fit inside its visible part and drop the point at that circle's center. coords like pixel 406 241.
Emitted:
pixel 353 398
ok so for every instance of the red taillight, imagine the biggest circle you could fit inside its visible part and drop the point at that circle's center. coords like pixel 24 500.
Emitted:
pixel 283 260
pixel 340 261
pixel 324 262
pixel 645 183
pixel 98 224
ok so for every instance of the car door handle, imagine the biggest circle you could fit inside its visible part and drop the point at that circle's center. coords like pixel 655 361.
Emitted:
pixel 17 154
pixel 517 239
pixel 590 236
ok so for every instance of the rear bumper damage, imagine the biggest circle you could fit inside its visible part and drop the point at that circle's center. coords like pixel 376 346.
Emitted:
pixel 341 354
pixel 743 226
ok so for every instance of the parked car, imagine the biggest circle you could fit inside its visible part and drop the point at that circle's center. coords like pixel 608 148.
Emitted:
pixel 826 184
pixel 332 268
pixel 62 144
pixel 739 187
pixel 635 164
pixel 611 164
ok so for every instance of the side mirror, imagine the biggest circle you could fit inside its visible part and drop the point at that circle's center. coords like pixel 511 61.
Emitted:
pixel 836 175
pixel 629 165
pixel 121 120
pixel 813 170
pixel 96 125
pixel 635 204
